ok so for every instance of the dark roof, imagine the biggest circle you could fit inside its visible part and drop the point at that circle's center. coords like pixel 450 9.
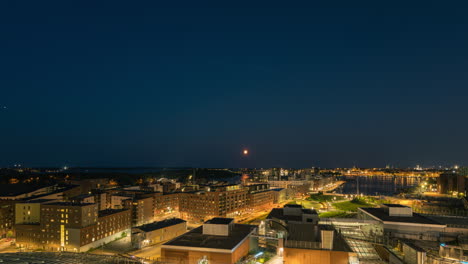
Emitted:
pixel 277 189
pixel 451 221
pixel 161 224
pixel 279 214
pixel 110 212
pixel 220 221
pixel 20 188
pixel 309 211
pixel 61 188
pixel 37 201
pixel 381 214
pixel 304 233
pixel 196 238
pixel 394 205
pixel 293 205
pixel 69 204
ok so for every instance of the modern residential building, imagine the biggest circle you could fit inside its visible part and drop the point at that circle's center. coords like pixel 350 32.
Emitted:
pixel 66 226
pixel 217 241
pixel 218 201
pixel 300 188
pixel 165 203
pixel 279 195
pixel 7 218
pixel 452 183
pixel 259 196
pixel 142 208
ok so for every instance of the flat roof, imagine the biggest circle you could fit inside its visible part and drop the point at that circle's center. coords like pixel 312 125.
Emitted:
pixel 279 213
pixel 69 204
pixel 452 221
pixel 196 238
pixel 220 221
pixel 293 205
pixel 36 201
pixel 381 214
pixel 20 188
pixel 394 205
pixel 277 189
pixel 160 224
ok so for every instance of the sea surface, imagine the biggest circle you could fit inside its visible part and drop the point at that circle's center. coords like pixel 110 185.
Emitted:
pixel 377 185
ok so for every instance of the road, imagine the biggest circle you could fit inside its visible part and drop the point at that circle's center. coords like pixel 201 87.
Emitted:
pixel 275 260
pixel 152 252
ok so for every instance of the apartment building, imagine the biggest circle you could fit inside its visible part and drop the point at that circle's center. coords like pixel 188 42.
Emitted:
pixel 218 201
pixel 259 196
pixel 67 226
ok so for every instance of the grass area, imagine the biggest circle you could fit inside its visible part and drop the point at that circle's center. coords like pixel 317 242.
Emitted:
pixel 307 204
pixel 350 206
pixel 337 214
pixel 353 205
pixel 320 197
pixel 348 209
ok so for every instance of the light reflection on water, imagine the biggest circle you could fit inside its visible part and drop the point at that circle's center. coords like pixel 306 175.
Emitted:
pixel 377 185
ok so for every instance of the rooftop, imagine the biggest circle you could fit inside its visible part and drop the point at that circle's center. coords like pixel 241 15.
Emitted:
pixel 18 189
pixel 277 189
pixel 69 204
pixel 220 221
pixel 394 205
pixel 37 201
pixel 293 205
pixel 196 238
pixel 381 214
pixel 279 214
pixel 451 221
pixel 161 224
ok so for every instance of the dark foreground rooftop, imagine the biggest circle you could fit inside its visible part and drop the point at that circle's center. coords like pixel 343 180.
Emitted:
pixel 18 189
pixel 161 224
pixel 278 213
pixel 69 204
pixel 196 238
pixel 381 214
pixel 219 221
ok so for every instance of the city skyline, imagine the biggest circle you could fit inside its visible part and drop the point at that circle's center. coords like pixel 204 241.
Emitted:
pixel 156 84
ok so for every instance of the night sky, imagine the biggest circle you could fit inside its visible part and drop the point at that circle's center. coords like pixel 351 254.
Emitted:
pixel 299 84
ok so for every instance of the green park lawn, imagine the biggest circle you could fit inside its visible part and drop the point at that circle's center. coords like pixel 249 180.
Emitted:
pixel 337 214
pixel 353 205
pixel 320 197
pixel 307 204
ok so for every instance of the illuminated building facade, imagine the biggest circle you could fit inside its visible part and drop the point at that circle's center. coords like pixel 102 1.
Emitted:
pixel 223 201
pixel 67 226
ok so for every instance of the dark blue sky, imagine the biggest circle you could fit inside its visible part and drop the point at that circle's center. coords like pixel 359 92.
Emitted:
pixel 312 83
